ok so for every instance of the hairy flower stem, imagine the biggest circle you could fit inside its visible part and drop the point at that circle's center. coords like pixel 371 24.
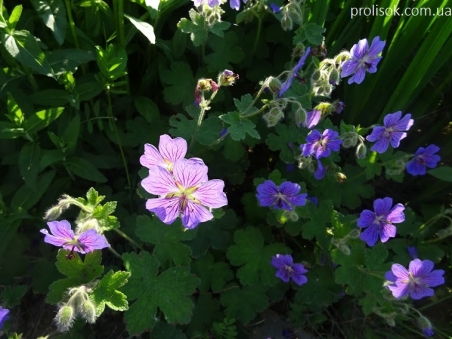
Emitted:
pixel 204 107
pixel 110 113
pixel 256 40
pixel 125 236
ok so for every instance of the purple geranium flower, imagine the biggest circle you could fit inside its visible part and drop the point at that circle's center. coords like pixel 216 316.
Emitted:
pixel 423 158
pixel 170 150
pixel 63 236
pixel 286 84
pixel 187 191
pixel 392 132
pixel 312 118
pixel 210 3
pixel 320 172
pixel 363 59
pixel 4 315
pixel 287 270
pixel 416 281
pixel 381 221
pixel 284 197
pixel 321 145
pixel 235 4
pixel 275 8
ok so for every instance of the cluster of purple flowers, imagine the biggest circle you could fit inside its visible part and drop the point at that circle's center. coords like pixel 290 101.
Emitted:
pixel 235 4
pixel 62 235
pixel 182 184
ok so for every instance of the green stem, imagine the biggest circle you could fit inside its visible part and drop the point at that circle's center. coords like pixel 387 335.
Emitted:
pixel 204 106
pixel 71 22
pixel 256 40
pixel 114 252
pixel 125 236
pixel 118 7
pixel 118 140
pixel 255 113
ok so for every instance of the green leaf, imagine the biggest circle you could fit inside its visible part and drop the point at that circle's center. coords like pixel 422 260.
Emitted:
pixel 286 136
pixel 26 197
pixel 239 126
pixel 68 60
pixel 42 119
pixel 320 221
pixel 245 104
pixel 213 274
pixel 102 213
pixel 14 17
pixel 164 330
pixel 254 259
pixel 9 131
pixel 233 150
pixel 181 84
pixel 244 303
pixel 195 27
pixel 207 311
pixel 170 292
pixel 12 295
pixel 84 169
pixel 78 272
pixel 443 173
pixel 22 46
pixel 29 158
pixel 310 32
pixel 53 14
pixel 147 108
pixel 9 225
pixel 167 240
pixel 219 27
pixel 225 52
pixel 213 233
pixel 106 292
pixel 50 97
pixel 372 167
pixel 143 27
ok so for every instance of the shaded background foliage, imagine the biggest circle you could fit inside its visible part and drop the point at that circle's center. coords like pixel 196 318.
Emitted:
pixel 82 100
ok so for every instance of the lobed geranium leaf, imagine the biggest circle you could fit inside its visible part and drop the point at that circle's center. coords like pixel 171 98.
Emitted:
pixel 167 240
pixel 244 303
pixel 207 311
pixel 164 330
pixel 225 52
pixel 181 84
pixel 214 275
pixel 78 272
pixel 239 126
pixel 106 292
pixel 254 259
pixel 170 292
pixel 284 141
pixel 195 27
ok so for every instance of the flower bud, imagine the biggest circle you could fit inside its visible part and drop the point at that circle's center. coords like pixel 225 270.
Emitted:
pixel 65 318
pixel 293 11
pixel 227 78
pixel 286 23
pixel 345 249
pixel 88 311
pixel 361 151
pixel 89 224
pixel 274 84
pixel 334 77
pixel 390 322
pixel 354 234
pixel 293 216
pixel 53 213
pixel 300 116
pixel 316 75
pixel 426 326
pixel 273 117
pixel 340 177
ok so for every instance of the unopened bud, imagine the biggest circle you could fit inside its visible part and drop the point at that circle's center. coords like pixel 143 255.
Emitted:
pixel 293 10
pixel 361 151
pixel 203 85
pixel 345 249
pixel 273 117
pixel 390 322
pixel 316 75
pixel 355 233
pixel 53 213
pixel 335 77
pixel 88 311
pixel 340 177
pixel 274 85
pixel 90 224
pixel 286 23
pixel 65 318
pixel 300 116
pixel 426 326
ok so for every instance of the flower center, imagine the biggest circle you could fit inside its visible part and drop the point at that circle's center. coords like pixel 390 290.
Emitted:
pixel 184 194
pixel 289 269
